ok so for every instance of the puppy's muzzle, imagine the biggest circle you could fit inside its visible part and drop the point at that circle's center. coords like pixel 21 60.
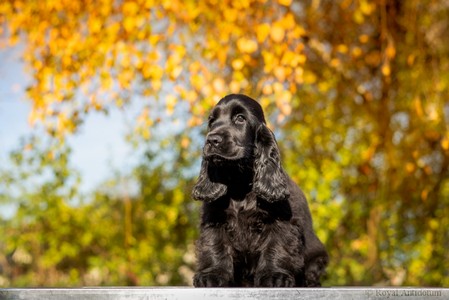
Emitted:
pixel 214 139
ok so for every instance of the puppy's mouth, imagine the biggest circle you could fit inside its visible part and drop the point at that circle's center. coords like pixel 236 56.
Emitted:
pixel 220 159
pixel 223 159
pixel 217 159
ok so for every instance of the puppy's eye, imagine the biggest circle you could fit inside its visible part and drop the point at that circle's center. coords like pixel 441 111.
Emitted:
pixel 239 119
pixel 210 121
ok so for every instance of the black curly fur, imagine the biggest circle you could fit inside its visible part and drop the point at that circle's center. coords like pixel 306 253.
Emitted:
pixel 256 227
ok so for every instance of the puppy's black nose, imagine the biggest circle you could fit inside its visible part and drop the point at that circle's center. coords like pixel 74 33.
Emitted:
pixel 214 139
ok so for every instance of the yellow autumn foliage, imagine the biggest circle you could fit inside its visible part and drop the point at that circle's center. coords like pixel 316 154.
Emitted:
pixel 355 90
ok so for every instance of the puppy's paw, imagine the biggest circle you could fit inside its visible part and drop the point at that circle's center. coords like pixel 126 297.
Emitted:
pixel 274 280
pixel 209 280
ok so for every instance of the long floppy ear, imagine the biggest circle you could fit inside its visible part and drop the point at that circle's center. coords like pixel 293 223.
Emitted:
pixel 270 180
pixel 205 189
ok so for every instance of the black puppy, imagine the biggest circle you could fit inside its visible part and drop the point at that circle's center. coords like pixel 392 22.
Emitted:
pixel 256 227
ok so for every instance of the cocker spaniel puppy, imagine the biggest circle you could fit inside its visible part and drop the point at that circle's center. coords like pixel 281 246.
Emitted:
pixel 256 227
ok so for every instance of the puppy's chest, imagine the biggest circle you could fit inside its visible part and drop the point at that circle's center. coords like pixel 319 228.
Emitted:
pixel 246 224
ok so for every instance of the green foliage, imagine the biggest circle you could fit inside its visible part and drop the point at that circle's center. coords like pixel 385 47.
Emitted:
pixel 355 90
pixel 117 236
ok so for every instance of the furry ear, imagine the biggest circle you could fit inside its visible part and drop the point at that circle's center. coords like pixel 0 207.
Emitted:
pixel 205 189
pixel 270 180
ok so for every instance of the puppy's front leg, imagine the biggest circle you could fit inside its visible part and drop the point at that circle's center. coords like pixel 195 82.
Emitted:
pixel 281 260
pixel 215 266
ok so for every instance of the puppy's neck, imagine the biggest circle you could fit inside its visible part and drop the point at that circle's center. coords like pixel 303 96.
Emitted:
pixel 237 177
pixel 238 190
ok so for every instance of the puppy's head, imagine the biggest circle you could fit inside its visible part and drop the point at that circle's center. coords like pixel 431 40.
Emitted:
pixel 232 126
pixel 237 136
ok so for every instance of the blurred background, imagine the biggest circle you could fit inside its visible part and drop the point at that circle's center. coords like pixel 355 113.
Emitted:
pixel 103 106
